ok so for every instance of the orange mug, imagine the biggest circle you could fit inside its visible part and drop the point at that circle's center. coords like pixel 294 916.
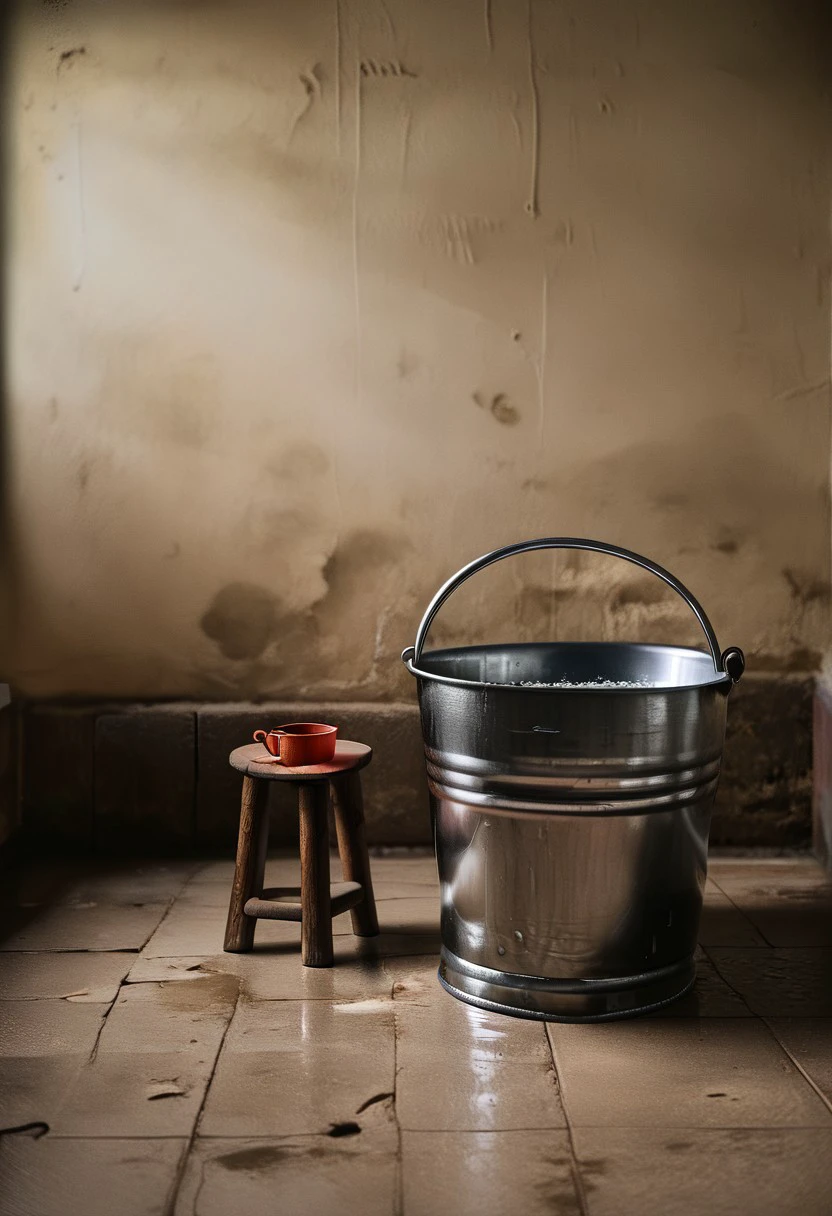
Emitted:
pixel 300 743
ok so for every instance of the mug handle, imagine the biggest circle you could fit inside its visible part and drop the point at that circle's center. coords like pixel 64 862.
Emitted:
pixel 260 736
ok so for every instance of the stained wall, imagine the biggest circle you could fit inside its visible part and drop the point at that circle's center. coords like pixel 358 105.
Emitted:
pixel 312 302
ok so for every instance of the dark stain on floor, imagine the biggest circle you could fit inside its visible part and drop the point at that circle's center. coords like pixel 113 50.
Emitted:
pixel 252 1158
pixel 348 1128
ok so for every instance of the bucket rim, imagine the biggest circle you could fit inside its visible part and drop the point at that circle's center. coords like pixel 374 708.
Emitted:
pixel 720 681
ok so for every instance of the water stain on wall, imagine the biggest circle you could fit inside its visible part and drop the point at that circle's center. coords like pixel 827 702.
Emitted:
pixel 641 592
pixel 498 406
pixel 727 545
pixel 241 620
pixel 349 570
pixel 803 659
pixel 805 587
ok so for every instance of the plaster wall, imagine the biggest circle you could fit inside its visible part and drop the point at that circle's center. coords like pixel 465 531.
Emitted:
pixel 312 302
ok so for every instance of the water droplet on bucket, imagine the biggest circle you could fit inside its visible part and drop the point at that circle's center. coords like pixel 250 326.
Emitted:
pixel 518 935
pixel 501 949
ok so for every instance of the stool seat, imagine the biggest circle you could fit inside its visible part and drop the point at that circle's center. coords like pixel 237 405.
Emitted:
pixel 317 900
pixel 252 761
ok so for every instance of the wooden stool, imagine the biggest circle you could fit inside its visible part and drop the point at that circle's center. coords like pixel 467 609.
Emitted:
pixel 319 901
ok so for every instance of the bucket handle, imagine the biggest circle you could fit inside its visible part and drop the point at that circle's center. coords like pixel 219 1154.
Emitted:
pixel 731 661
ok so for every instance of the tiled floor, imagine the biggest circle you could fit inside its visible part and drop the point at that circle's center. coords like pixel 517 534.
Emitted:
pixel 175 1080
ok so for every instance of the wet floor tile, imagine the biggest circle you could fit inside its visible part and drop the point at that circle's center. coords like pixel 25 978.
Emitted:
pixel 81 977
pixel 155 1056
pixel 33 1088
pixel 285 978
pixel 723 924
pixel 488 1173
pixel 710 997
pixel 401 889
pixel 699 1102
pixel 53 1177
pixel 419 915
pixel 402 945
pixel 104 882
pixel 215 894
pixel 496 1072
pixel 797 924
pixel 780 983
pixel 711 1072
pixel 297 1067
pixel 352 1175
pixel 136 1094
pixel 788 900
pixel 49 1028
pixel 769 876
pixel 194 929
pixel 771 1172
pixel 404 868
pixel 809 1042
pixel 200 930
pixel 282 978
pixel 173 1016
pixel 99 927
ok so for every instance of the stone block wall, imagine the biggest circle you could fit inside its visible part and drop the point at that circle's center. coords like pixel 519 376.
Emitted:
pixel 155 779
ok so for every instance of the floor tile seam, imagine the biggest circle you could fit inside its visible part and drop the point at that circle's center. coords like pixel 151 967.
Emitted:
pixel 741 911
pixel 762 1017
pixel 728 983
pixel 774 950
pixel 294 1000
pixel 20 1000
pixel 53 1135
pixel 159 923
pixel 183 884
pixel 673 1128
pixel 575 1168
pixel 449 1129
pixel 398 1198
pixel 100 905
pixel 749 946
pixel 797 1017
pixel 176 1185
pixel 797 1064
pixel 94 1050
pixel 269 1136
pixel 75 950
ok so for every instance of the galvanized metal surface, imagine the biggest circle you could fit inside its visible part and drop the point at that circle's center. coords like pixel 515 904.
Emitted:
pixel 571 822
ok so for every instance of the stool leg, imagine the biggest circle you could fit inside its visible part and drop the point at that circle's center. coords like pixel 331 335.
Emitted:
pixel 252 843
pixel 352 849
pixel 316 915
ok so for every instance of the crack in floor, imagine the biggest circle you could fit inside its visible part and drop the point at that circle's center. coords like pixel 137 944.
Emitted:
pixel 170 1206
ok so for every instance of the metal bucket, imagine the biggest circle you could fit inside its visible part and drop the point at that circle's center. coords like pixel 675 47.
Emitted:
pixel 571 822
